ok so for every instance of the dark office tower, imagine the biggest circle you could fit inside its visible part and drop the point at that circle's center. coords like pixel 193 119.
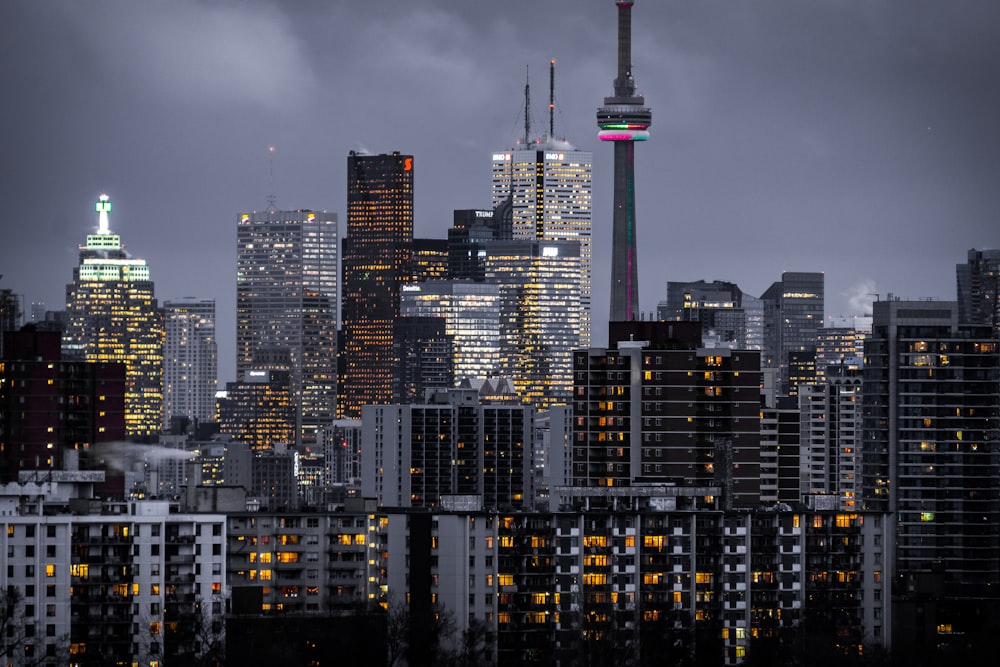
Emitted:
pixel 793 316
pixel 426 358
pixel 51 410
pixel 472 229
pixel 727 313
pixel 930 425
pixel 979 289
pixel 430 260
pixel 10 314
pixel 286 299
pixel 190 361
pixel 378 261
pixel 259 409
pixel 113 316
pixel 624 119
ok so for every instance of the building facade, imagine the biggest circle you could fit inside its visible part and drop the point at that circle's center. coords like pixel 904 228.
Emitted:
pixel 793 316
pixel 378 261
pixel 113 316
pixel 105 584
pixel 931 411
pixel 471 313
pixel 286 301
pixel 454 444
pixel 190 360
pixel 52 411
pixel 548 183
pixel 658 408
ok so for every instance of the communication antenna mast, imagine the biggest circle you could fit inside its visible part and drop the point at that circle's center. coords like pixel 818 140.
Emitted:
pixel 271 199
pixel 527 107
pixel 552 98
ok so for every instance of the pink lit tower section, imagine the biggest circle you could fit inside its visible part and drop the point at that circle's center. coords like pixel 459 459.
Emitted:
pixel 624 119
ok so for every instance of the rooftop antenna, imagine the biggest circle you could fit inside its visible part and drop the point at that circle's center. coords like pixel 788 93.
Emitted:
pixel 527 107
pixel 552 98
pixel 271 198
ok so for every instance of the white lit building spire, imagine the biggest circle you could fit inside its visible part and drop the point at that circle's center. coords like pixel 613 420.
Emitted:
pixel 103 207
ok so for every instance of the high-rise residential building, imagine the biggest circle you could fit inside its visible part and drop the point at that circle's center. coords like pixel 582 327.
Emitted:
pixel 545 184
pixel 830 413
pixel 286 300
pixel 931 410
pixel 658 408
pixel 979 288
pixel 453 444
pixel 190 360
pixel 113 316
pixel 53 411
pixel 793 316
pixel 471 313
pixel 377 262
pixel 110 583
pixel 624 119
pixel 726 312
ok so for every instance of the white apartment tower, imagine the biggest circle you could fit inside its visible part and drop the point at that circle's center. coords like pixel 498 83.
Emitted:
pixel 190 360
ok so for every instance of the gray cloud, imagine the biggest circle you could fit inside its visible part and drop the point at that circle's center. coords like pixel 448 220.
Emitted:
pixel 855 138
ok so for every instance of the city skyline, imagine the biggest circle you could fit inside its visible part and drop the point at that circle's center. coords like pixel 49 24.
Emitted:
pixel 858 141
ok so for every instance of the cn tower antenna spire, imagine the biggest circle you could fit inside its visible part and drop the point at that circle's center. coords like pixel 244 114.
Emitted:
pixel 624 119
pixel 527 107
pixel 552 98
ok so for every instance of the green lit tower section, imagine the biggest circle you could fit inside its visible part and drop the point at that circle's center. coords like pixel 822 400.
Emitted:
pixel 624 119
pixel 113 317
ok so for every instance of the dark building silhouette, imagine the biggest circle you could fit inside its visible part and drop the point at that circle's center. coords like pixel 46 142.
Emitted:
pixel 378 261
pixel 52 412
pixel 979 289
pixel 793 316
pixel 426 358
pixel 930 428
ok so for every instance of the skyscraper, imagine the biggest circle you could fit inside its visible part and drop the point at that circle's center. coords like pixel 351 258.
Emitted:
pixel 931 410
pixel 190 360
pixel 546 183
pixel 286 305
pixel 471 315
pixel 113 316
pixel 540 315
pixel 624 119
pixel 793 316
pixel 378 258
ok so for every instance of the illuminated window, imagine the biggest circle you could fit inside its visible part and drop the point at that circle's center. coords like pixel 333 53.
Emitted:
pixel 50 570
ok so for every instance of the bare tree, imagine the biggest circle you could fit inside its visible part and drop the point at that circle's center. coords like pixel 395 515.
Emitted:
pixel 20 643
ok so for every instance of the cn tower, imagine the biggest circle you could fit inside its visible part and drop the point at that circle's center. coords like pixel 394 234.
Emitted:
pixel 624 119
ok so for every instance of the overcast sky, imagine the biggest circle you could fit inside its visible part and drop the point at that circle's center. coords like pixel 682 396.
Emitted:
pixel 859 138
